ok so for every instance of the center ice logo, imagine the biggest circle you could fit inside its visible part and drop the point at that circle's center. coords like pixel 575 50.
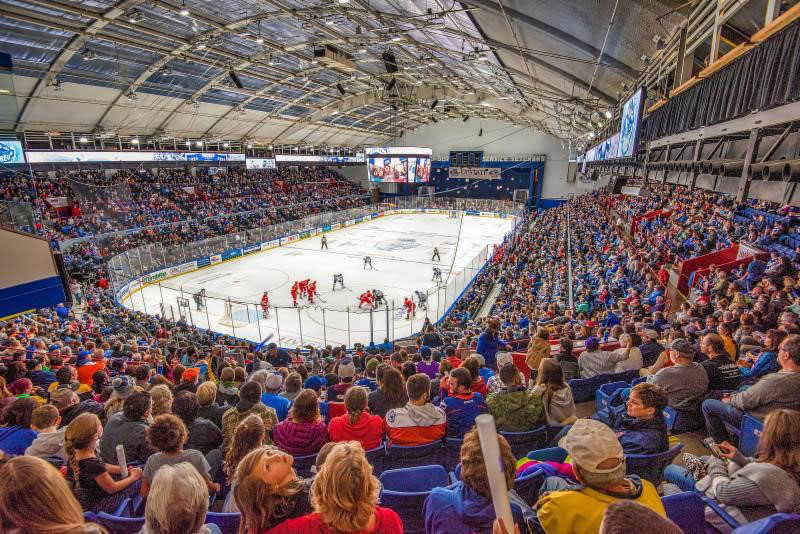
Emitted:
pixel 397 244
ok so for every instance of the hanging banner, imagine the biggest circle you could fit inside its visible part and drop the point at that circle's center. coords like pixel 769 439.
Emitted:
pixel 474 173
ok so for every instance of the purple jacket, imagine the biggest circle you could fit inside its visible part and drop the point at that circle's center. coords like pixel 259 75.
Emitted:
pixel 300 439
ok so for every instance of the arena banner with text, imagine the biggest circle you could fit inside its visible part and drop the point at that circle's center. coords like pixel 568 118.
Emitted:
pixel 250 249
pixel 87 156
pixel 474 173
pixel 292 238
pixel 182 268
pixel 336 226
pixel 270 244
pixel 215 259
pixel 203 262
pixel 472 212
pixel 228 254
pixel 746 251
pixel 328 228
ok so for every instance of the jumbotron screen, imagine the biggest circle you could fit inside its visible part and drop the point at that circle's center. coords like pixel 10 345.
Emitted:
pixel 399 164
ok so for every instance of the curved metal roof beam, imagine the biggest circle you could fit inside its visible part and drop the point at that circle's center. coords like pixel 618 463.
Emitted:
pixel 69 50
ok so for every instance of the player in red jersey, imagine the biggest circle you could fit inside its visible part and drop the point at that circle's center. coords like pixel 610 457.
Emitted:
pixel 411 308
pixel 265 305
pixel 293 291
pixel 366 298
pixel 312 290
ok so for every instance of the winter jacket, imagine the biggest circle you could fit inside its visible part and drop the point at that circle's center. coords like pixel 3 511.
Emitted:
pixel 15 439
pixel 367 430
pixel 49 444
pixel 235 415
pixel 538 349
pixel 227 395
pixel 204 435
pixel 639 436
pixel 488 346
pixel 581 509
pixel 415 425
pixel 75 410
pixel 516 409
pixel 130 434
pixel 461 411
pixel 766 363
pixel 213 412
pixel 300 439
pixel 336 393
pixel 558 406
pixel 430 368
pixel 41 379
pixel 458 509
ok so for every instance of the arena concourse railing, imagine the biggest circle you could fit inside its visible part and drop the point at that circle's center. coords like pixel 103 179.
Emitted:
pixel 141 280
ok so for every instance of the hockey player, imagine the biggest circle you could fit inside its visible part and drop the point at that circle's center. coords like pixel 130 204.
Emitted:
pixel 323 243
pixel 368 261
pixel 265 305
pixel 366 298
pixel 379 298
pixel 311 290
pixel 422 298
pixel 199 299
pixel 338 278
pixel 303 287
pixel 437 275
pixel 411 308
pixel 436 256
pixel 293 291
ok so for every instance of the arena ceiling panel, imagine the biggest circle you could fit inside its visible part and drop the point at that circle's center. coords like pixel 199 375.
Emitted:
pixel 245 70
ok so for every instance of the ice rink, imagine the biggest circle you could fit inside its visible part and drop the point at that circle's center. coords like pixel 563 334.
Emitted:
pixel 401 247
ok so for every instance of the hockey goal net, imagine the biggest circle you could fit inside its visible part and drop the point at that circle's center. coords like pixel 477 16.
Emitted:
pixel 236 315
pixel 453 214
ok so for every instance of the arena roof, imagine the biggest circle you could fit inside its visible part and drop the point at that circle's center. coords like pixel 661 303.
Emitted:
pixel 239 69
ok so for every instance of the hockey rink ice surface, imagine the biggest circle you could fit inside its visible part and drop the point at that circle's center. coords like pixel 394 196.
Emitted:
pixel 401 247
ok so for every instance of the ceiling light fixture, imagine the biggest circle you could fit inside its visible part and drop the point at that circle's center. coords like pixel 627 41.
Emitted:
pixel 184 10
pixel 135 141
pixel 225 145
pixel 83 139
pixel 608 114
pixel 199 143
pixel 396 39
pixel 249 145
pixel 201 46
pixel 135 17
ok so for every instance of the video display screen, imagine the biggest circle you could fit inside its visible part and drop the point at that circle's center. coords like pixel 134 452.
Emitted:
pixel 399 164
pixel 631 122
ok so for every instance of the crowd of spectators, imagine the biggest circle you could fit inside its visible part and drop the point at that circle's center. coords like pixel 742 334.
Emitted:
pixel 199 414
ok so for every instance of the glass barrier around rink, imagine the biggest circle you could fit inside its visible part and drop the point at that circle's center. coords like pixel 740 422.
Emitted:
pixel 139 279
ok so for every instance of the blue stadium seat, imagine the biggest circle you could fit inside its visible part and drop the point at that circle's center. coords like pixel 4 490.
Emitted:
pixel 405 491
pixel 750 432
pixel 409 456
pixel 686 510
pixel 522 442
pixel 227 523
pixel 583 388
pixel 670 415
pixel 376 457
pixel 527 487
pixel 774 524
pixel 605 392
pixel 120 525
pixel 651 466
pixel 302 464
pixel 451 453
pixel 638 380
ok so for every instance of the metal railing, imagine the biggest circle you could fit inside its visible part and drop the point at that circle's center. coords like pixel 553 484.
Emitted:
pixel 17 215
pixel 141 279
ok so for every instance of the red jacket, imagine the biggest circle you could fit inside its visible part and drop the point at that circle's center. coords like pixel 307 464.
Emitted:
pixel 386 522
pixel 368 430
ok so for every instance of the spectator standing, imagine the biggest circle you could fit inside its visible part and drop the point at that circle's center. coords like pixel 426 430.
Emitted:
pixel 489 343
pixel 538 349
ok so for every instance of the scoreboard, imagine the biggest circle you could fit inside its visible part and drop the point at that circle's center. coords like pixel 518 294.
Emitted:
pixel 466 158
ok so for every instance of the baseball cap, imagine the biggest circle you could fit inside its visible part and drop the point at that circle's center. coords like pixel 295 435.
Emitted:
pixel 591 443
pixel 62 398
pixel 591 343
pixel 314 382
pixel 425 351
pixel 683 346
pixel 372 364
pixel 274 381
pixel 346 368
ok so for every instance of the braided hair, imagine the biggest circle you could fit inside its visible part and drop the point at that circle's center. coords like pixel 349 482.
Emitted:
pixel 78 436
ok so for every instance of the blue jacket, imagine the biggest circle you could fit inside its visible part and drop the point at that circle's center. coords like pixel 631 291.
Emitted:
pixel 766 363
pixel 461 411
pixel 367 382
pixel 488 347
pixel 611 320
pixel 41 379
pixel 639 436
pixel 281 404
pixel 15 439
pixel 458 509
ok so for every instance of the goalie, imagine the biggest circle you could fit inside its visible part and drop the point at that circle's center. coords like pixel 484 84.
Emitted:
pixel 338 279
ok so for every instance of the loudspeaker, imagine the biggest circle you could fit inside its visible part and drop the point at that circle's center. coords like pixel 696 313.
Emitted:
pixel 389 62
pixel 480 132
pixel 340 88
pixel 235 79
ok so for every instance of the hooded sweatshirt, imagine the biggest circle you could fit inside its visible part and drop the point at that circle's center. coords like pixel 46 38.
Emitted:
pixel 300 439
pixel 558 406
pixel 48 444
pixel 581 509
pixel 415 425
pixel 15 439
pixel 458 509
pixel 367 430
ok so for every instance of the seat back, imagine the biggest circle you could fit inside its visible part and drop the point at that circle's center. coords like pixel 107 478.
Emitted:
pixel 410 456
pixel 120 525
pixel 451 452
pixel 522 442
pixel 414 479
pixel 409 507
pixel 227 523
pixel 303 464
pixel 651 466
pixel 686 510
pixel 583 388
pixel 670 416
pixel 605 392
pixel 774 524
pixel 528 486
pixel 376 458
pixel 335 409
pixel 750 433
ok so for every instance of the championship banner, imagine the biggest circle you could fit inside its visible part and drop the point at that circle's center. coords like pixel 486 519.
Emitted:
pixel 746 252
pixel 474 173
